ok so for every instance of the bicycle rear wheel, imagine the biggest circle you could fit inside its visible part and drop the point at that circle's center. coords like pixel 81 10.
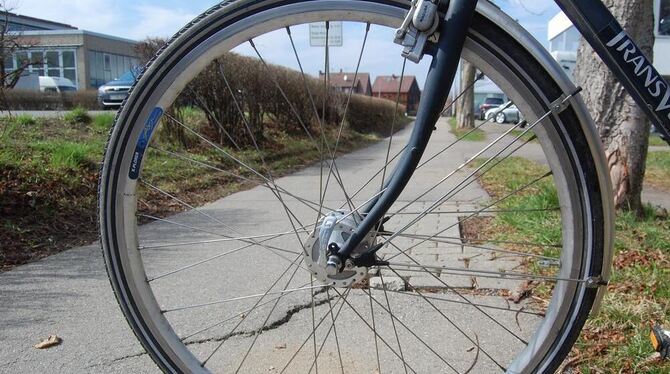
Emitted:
pixel 238 285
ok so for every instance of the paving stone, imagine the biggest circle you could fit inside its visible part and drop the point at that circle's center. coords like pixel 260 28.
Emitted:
pixel 425 281
pixel 497 266
pixel 441 250
pixel 390 283
pixel 457 281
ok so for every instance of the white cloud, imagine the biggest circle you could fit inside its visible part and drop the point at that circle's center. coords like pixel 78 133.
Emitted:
pixel 94 15
pixel 160 21
pixel 135 21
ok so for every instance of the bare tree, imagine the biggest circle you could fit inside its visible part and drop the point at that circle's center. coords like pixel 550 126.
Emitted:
pixel 465 114
pixel 622 125
pixel 10 43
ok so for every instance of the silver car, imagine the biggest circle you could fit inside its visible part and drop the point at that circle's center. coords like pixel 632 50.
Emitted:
pixel 508 115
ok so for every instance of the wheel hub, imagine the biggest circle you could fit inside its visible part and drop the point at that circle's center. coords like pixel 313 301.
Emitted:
pixel 331 233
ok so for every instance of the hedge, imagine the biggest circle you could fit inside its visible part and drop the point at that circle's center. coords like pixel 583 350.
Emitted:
pixel 35 100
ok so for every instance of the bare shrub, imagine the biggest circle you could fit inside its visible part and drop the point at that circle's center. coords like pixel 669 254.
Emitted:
pixel 368 114
pixel 242 98
pixel 35 100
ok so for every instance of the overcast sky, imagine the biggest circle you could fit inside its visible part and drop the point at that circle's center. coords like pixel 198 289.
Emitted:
pixel 138 19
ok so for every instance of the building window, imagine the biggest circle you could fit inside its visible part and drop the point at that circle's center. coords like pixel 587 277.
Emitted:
pixel 664 18
pixel 51 63
pixel 104 67
pixel 108 62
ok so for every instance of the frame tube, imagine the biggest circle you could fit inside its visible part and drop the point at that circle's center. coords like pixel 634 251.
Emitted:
pixel 453 30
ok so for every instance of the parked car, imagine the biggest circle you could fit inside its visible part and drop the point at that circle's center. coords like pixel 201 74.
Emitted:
pixel 489 103
pixel 56 85
pixel 500 115
pixel 112 93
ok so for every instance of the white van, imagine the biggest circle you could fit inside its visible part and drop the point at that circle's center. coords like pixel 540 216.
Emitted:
pixel 56 85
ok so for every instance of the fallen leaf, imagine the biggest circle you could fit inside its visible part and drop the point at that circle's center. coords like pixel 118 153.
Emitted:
pixel 524 291
pixel 49 342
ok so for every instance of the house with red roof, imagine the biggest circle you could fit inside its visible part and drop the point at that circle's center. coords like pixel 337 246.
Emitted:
pixel 344 82
pixel 386 87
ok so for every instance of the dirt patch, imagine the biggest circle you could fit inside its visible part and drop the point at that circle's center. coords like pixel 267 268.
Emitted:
pixel 474 229
pixel 37 219
pixel 44 214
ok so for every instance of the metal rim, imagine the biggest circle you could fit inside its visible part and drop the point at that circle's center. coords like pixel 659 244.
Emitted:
pixel 127 238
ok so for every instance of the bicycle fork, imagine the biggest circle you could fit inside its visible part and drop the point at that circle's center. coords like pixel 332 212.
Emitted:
pixel 425 30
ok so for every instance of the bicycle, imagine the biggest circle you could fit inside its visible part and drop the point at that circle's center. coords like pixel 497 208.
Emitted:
pixel 314 250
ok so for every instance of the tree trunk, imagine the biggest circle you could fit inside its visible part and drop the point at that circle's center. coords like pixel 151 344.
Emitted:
pixel 465 113
pixel 623 126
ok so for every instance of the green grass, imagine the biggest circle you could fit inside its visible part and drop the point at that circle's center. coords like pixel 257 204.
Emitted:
pixel 616 340
pixel 77 116
pixel 51 169
pixel 66 155
pixel 655 140
pixel 25 120
pixel 469 135
pixel 103 122
pixel 658 170
pixel 524 136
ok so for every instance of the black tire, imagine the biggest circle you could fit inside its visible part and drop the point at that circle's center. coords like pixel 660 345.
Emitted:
pixel 574 138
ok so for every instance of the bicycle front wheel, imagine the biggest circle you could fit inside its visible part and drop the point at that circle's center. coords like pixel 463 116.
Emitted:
pixel 239 285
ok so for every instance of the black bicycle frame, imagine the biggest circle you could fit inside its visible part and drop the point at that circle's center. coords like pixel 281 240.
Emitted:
pixel 600 29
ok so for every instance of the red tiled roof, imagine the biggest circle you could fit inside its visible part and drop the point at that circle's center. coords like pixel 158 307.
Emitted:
pixel 389 84
pixel 345 80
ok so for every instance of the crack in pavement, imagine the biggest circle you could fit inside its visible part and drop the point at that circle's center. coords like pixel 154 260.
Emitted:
pixel 288 315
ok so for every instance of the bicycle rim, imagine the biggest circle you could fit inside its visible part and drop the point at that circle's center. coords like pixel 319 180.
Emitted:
pixel 184 321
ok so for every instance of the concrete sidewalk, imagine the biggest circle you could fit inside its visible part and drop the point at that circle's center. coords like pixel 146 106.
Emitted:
pixel 69 295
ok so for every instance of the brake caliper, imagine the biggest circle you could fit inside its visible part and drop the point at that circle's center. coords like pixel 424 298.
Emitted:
pixel 418 27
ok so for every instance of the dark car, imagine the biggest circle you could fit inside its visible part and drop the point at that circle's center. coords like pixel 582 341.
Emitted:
pixel 112 93
pixel 489 103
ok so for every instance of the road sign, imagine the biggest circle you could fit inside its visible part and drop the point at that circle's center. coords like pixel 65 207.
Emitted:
pixel 317 34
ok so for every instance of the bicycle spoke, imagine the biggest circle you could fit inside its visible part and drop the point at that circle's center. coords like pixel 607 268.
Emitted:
pixel 486 273
pixel 374 328
pixel 496 202
pixel 265 322
pixel 316 364
pixel 242 238
pixel 440 239
pixel 310 204
pixel 457 293
pixel 290 215
pixel 455 325
pixel 396 319
pixel 515 311
pixel 272 249
pixel 218 302
pixel 454 190
pixel 295 354
pixel 252 309
pixel 395 331
pixel 250 242
pixel 346 109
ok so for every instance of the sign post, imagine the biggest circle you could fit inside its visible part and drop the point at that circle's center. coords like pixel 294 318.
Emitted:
pixel 317 34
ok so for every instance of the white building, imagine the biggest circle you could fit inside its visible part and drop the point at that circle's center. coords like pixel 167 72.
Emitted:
pixel 564 39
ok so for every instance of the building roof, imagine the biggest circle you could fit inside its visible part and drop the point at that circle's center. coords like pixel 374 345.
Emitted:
pixel 19 22
pixel 389 84
pixel 557 25
pixel 345 80
pixel 75 32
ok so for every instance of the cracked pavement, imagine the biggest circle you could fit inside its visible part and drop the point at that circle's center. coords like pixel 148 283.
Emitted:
pixel 69 295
